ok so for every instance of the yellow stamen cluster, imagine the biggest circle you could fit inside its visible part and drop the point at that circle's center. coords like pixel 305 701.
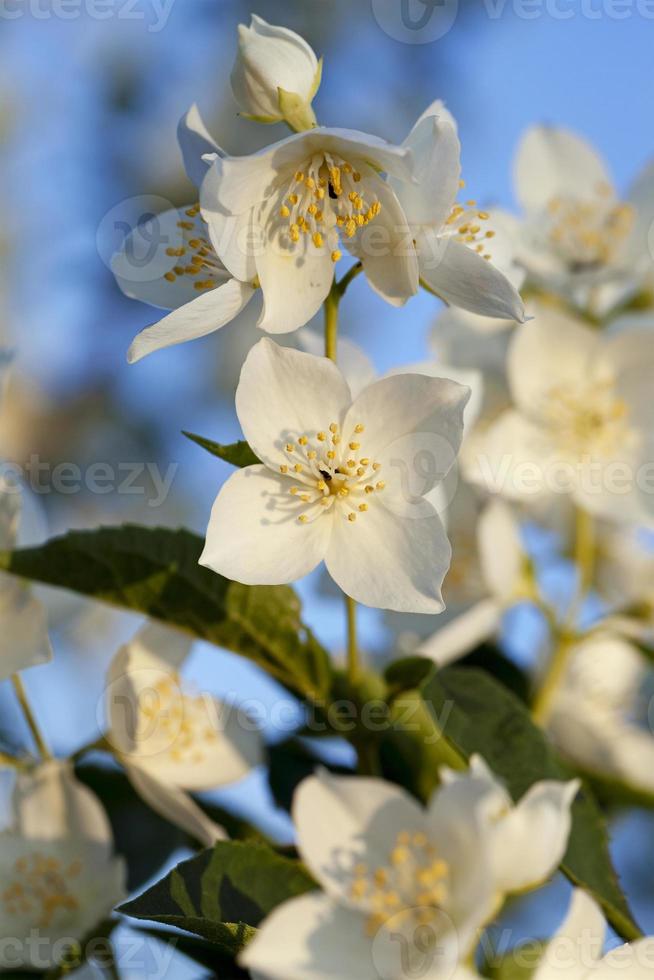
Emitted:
pixel 589 233
pixel 329 468
pixel 413 884
pixel 40 888
pixel 324 199
pixel 173 724
pixel 195 255
pixel 466 224
pixel 593 421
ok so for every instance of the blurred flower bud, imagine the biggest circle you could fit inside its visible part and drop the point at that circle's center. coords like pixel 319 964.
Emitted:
pixel 276 75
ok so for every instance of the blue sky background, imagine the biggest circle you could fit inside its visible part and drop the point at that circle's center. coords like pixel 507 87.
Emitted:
pixel 87 121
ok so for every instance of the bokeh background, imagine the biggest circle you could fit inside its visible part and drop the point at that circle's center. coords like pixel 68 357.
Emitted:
pixel 90 95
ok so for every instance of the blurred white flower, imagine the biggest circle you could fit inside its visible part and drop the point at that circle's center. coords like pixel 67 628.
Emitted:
pixel 503 581
pixel 276 75
pixel 24 640
pixel 575 952
pixel 405 890
pixel 594 716
pixel 582 425
pixel 333 484
pixel 169 262
pixel 169 740
pixel 455 242
pixel 578 238
pixel 59 875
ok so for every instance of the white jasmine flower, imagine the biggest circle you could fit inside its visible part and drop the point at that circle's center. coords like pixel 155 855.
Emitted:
pixel 459 257
pixel 405 889
pixel 169 262
pixel 332 483
pixel 502 580
pixel 575 952
pixel 59 875
pixel 169 740
pixel 276 75
pixel 582 421
pixel 579 238
pixel 595 716
pixel 24 640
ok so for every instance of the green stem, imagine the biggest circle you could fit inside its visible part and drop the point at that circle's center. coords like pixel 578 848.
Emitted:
pixel 331 322
pixel 352 650
pixel 21 695
pixel 584 555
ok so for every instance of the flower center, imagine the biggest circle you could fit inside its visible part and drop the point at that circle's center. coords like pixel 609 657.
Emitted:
pixel 329 197
pixel 593 421
pixel 331 471
pixel 174 724
pixel 195 256
pixel 589 234
pixel 40 887
pixel 413 884
pixel 466 225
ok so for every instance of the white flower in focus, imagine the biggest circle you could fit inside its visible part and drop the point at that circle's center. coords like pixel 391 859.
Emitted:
pixel 169 262
pixel 281 215
pixel 333 481
pixel 24 640
pixel 579 239
pixel 459 257
pixel 276 75
pixel 406 890
pixel 595 714
pixel 575 952
pixel 59 875
pixel 583 422
pixel 500 571
pixel 169 740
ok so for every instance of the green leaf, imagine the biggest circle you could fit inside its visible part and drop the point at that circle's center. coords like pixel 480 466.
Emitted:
pixel 407 673
pixel 237 453
pixel 488 719
pixel 224 893
pixel 155 571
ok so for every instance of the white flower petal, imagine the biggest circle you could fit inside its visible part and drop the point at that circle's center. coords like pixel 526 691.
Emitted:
pixel 463 278
pixel 203 315
pixel 311 938
pixel 468 378
pixel 344 821
pixel 353 362
pixel 577 946
pixel 195 141
pixel 398 408
pixel 530 840
pixel 641 198
pixel 391 562
pixel 535 365
pixel 633 960
pixel 500 549
pixel 174 805
pixel 295 283
pixel 511 457
pixel 283 394
pixel 386 247
pixel 254 536
pixel 24 641
pixel 232 235
pixel 463 633
pixel 49 803
pixel 553 162
pixel 436 153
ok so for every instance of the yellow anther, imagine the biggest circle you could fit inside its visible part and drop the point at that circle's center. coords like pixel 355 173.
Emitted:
pixel 294 490
pixel 305 497
pixel 359 888
pixel 376 466
pixel 462 183
pixel 343 492
pixel 359 427
pixel 483 215
pixel 361 470
pixel 351 463
pixel 363 508
pixel 299 177
pixel 312 209
pixel 170 276
pixel 380 485
pixel 381 875
pixel 320 193
pixel 330 454
pixel 321 437
pixel 336 255
pixel 471 203
pixel 289 447
pixel 312 454
pixel 364 460
pixel 317 239
pixel 489 234
pixel 205 284
pixel 283 468
pixel 302 519
pixel 356 176
pixel 321 485
pixel 355 445
pixel 284 211
pixel 303 440
pixel 370 489
pixel 336 439
pixel 186 225
pixel 293 199
pixel 298 469
pixel 333 427
pixel 351 516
